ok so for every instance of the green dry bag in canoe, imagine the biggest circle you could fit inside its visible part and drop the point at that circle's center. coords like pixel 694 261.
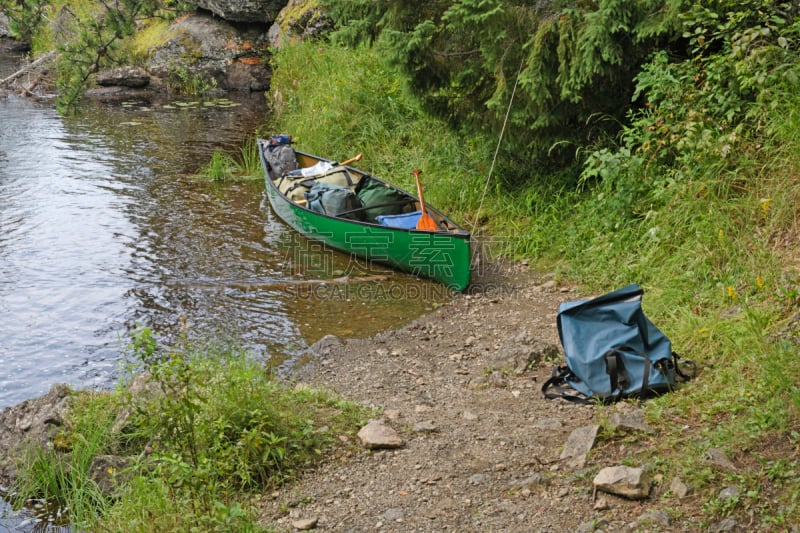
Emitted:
pixel 380 199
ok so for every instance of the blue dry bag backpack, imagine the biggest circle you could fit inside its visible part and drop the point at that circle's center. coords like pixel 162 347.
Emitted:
pixel 612 350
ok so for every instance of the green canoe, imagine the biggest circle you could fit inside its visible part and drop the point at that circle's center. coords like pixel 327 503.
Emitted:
pixel 442 254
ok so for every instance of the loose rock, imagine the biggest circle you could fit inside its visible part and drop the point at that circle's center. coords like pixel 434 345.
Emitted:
pixel 305 524
pixel 655 518
pixel 377 435
pixel 717 458
pixel 426 426
pixel 725 526
pixel 625 481
pixel 679 488
pixel 629 421
pixel 579 443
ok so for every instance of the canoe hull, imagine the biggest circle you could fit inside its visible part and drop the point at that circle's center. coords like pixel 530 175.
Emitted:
pixel 443 256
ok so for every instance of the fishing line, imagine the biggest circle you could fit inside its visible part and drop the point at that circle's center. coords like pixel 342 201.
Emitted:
pixel 497 149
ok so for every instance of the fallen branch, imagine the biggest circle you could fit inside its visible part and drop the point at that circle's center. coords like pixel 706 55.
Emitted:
pixel 28 91
pixel 28 68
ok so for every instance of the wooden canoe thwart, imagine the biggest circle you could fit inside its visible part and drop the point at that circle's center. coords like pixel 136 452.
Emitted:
pixel 384 232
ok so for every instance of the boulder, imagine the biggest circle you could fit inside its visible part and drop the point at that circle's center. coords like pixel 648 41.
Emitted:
pixel 133 77
pixel 214 51
pixel 243 10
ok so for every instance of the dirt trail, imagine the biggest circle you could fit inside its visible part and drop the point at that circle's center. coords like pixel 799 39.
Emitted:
pixel 482 446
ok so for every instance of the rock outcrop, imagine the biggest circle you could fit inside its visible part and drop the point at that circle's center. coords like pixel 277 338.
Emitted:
pixel 211 50
pixel 300 19
pixel 243 10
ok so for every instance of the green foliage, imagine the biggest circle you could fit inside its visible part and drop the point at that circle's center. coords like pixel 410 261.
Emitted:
pixel 222 420
pixel 94 43
pixel 25 17
pixel 574 63
pixel 249 162
pixel 184 82
pixel 88 35
pixel 211 428
pixel 219 168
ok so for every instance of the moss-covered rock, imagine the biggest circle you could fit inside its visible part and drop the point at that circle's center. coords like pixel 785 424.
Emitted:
pixel 298 20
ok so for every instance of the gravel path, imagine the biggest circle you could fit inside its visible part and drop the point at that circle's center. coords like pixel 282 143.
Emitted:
pixel 481 447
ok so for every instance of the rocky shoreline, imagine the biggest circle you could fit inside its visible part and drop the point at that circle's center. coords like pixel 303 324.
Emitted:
pixel 221 46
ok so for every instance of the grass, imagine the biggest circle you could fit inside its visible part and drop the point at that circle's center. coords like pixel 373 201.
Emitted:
pixel 65 481
pixel 226 167
pixel 214 430
pixel 709 231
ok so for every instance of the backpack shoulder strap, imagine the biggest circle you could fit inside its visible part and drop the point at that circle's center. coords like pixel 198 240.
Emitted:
pixel 558 383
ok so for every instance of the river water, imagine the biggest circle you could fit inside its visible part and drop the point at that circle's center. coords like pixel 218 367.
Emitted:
pixel 104 227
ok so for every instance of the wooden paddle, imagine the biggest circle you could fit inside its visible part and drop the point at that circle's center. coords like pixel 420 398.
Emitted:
pixel 352 160
pixel 425 221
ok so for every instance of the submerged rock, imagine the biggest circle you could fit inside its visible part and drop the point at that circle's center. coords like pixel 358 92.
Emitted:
pixel 133 77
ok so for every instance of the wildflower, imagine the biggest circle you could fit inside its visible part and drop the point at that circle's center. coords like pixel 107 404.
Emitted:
pixel 765 203
pixel 732 293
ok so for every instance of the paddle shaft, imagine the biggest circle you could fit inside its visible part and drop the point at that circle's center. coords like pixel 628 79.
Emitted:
pixel 426 221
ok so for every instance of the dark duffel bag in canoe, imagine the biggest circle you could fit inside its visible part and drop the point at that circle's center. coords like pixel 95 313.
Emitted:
pixel 331 200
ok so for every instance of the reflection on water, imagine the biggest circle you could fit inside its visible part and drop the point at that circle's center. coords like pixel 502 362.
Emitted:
pixel 103 227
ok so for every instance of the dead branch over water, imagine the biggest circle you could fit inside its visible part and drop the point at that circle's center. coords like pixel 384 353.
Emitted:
pixel 10 81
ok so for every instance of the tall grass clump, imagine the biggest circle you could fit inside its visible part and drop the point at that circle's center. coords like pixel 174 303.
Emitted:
pixel 65 480
pixel 206 429
pixel 223 166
